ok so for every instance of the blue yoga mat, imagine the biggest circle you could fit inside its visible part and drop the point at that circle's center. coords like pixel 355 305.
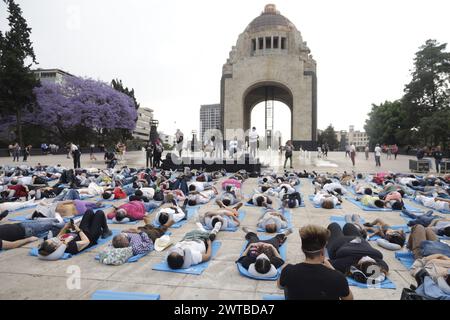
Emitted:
pixel 197 269
pixel 234 228
pixel 405 229
pixel 191 211
pixel 360 205
pixel 34 252
pixel 288 216
pixel 341 220
pixel 273 297
pixel 406 258
pixel 245 273
pixel 441 211
pixel 113 295
pixel 110 221
pixel 386 284
pixel 311 198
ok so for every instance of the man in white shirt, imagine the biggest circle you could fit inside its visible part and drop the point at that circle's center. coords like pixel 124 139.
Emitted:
pixel 377 155
pixel 253 141
pixel 233 147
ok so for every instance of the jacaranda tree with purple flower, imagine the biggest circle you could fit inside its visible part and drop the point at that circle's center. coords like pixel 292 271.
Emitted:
pixel 83 111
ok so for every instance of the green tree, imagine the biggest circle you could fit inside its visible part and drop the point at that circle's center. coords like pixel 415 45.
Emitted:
pixel 329 136
pixel 385 123
pixel 16 58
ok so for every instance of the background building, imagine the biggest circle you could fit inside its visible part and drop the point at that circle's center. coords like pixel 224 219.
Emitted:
pixel 142 131
pixel 51 75
pixel 210 118
pixel 166 138
pixel 359 138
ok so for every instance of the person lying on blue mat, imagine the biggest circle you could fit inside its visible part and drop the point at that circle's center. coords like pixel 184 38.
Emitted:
pixel 169 211
pixel 231 195
pixel 15 235
pixel 262 257
pixel 315 278
pixel 193 249
pixel 260 200
pixel 220 219
pixel 73 239
pixel 352 255
pixel 424 242
pixel 201 197
pixel 293 200
pixel 435 203
pixel 376 202
pixel 273 221
pixel 436 266
pixel 380 228
pixel 325 200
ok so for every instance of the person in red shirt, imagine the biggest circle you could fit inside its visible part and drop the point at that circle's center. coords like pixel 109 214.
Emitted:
pixel 18 190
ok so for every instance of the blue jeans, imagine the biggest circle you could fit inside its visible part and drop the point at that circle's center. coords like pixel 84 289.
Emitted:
pixel 68 194
pixel 152 204
pixel 128 189
pixel 38 227
pixel 424 219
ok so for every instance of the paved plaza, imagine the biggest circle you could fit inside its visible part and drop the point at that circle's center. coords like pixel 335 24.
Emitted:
pixel 26 277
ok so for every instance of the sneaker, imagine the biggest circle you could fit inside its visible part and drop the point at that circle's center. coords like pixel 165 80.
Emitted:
pixel 106 234
pixel 4 214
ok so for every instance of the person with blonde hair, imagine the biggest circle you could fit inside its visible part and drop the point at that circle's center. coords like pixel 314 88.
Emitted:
pixel 315 278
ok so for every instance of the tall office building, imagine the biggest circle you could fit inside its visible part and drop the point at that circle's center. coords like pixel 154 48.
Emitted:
pixel 210 118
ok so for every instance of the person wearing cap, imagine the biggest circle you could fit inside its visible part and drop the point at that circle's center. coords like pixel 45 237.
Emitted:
pixel 315 278
pixel 193 249
pixel 262 257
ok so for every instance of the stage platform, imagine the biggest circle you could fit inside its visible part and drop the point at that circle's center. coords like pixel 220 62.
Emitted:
pixel 211 164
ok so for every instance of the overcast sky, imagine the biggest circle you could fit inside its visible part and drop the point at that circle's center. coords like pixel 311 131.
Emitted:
pixel 171 52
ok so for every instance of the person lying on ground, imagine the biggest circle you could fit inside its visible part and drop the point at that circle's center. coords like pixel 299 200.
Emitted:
pixel 380 228
pixel 74 238
pixel 231 196
pixel 262 257
pixel 260 200
pixel 439 204
pixel 353 256
pixel 193 249
pixel 273 221
pixel 293 200
pixel 132 211
pixel 423 240
pixel 171 211
pixel 196 197
pixel 69 208
pixel 315 278
pixel 435 266
pixel 325 200
pixel 220 219
pixel 16 235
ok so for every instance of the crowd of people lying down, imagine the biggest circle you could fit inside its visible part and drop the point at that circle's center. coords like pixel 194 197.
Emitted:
pixel 71 210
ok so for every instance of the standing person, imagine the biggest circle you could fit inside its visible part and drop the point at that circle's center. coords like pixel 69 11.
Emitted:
pixel 253 142
pixel 325 150
pixel 76 155
pixel 347 150
pixel 233 147
pixel 389 152
pixel 149 155
pixel 377 155
pixel 69 151
pixel 366 151
pixel 179 138
pixel 92 156
pixel 395 151
pixel 16 152
pixel 26 153
pixel 438 155
pixel 289 148
pixel 218 147
pixel 158 149
pixel 353 153
pixel 10 150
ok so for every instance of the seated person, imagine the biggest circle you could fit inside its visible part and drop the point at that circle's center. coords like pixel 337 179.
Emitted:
pixel 132 211
pixel 315 278
pixel 384 230
pixel 326 200
pixel 74 239
pixel 439 204
pixel 293 200
pixel 272 221
pixel 262 257
pixel 420 234
pixel 16 235
pixel 193 249
pixel 352 255
pixel 260 200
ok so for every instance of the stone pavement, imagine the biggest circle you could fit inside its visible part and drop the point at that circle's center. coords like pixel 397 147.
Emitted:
pixel 26 277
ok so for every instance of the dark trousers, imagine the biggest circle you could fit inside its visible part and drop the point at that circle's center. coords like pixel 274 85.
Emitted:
pixel 25 155
pixel 157 159
pixel 76 159
pixel 276 241
pixel 149 162
pixel 288 157
pixel 438 164
pixel 339 237
pixel 180 184
pixel 93 225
